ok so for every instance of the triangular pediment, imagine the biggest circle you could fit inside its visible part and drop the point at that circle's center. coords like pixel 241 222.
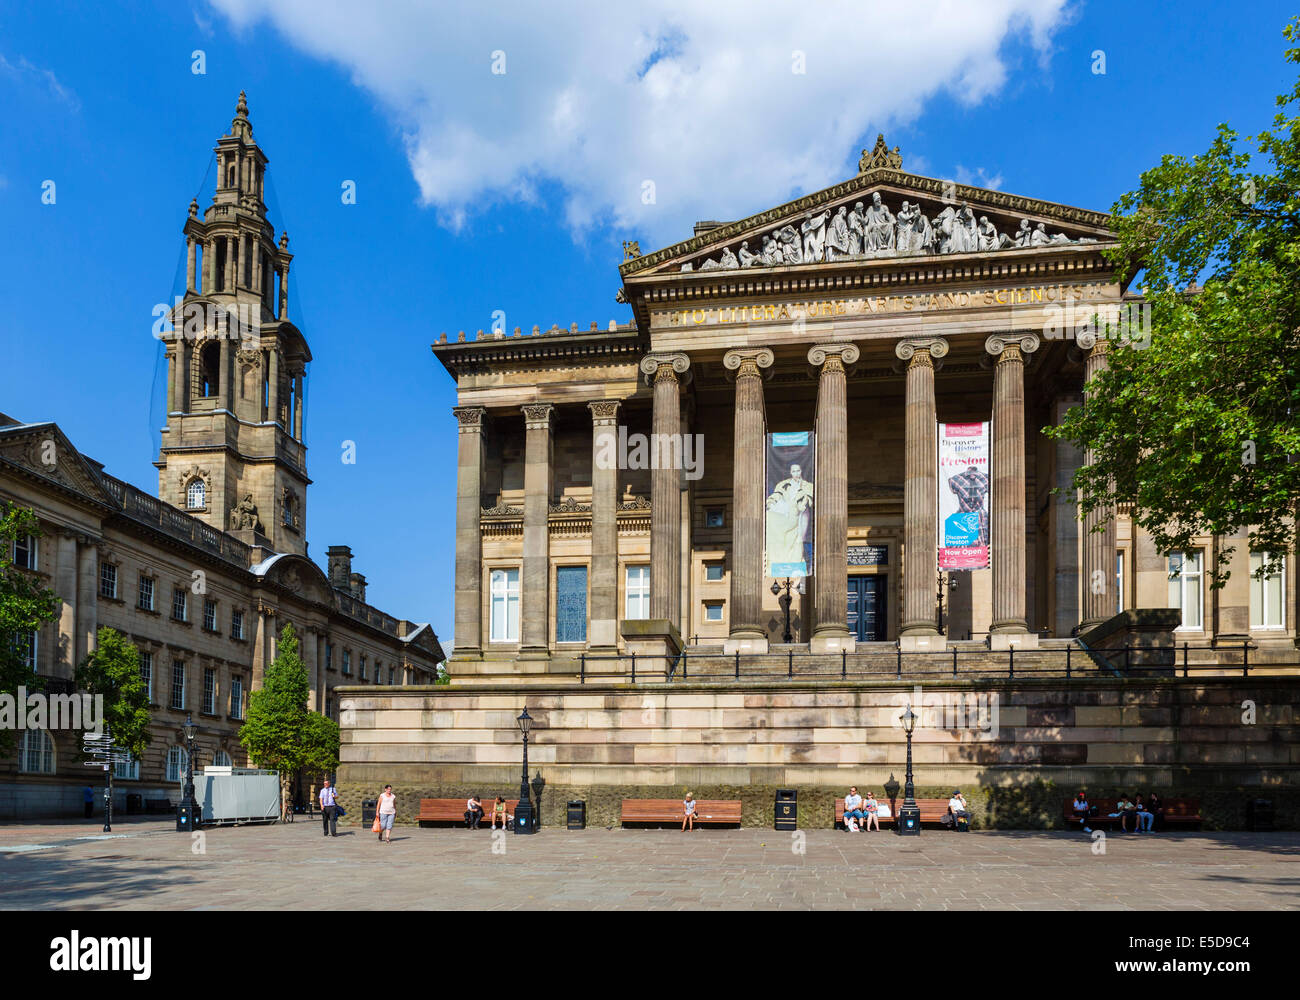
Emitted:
pixel 882 213
pixel 44 450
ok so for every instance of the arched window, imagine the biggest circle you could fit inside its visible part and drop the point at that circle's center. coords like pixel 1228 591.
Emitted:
pixel 176 765
pixel 196 496
pixel 36 752
pixel 210 368
pixel 221 759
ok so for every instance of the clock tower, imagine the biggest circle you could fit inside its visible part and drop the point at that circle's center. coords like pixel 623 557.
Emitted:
pixel 233 451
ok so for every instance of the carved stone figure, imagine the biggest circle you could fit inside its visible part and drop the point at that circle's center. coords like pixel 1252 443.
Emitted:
pixel 1024 234
pixel 814 235
pixel 244 515
pixel 748 259
pixel 857 220
pixel 989 237
pixel 791 248
pixel 904 240
pixel 772 255
pixel 879 227
pixel 837 236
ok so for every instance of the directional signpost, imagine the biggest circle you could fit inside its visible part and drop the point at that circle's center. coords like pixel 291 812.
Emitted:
pixel 103 753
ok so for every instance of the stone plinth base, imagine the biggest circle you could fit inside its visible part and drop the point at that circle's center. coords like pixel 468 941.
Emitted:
pixel 831 642
pixel 651 637
pixel 744 644
pixel 1013 640
pixel 922 642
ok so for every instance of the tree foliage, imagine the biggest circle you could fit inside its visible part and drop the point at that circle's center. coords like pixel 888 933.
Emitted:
pixel 25 605
pixel 112 669
pixel 1199 430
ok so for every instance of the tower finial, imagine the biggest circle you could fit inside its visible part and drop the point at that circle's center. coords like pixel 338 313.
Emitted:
pixel 241 109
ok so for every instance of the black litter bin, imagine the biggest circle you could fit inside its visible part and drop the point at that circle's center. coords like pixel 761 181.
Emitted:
pixel 577 815
pixel 134 803
pixel 1259 815
pixel 787 809
pixel 368 809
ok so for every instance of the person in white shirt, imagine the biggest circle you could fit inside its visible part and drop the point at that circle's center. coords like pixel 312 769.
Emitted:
pixel 329 809
pixel 853 810
pixel 473 812
pixel 957 806
pixel 387 813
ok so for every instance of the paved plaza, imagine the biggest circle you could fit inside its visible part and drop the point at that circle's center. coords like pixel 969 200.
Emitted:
pixel 145 864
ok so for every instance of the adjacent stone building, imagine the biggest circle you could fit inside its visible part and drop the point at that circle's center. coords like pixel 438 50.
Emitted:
pixel 204 576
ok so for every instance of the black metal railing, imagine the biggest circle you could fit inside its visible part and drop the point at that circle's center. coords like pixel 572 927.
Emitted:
pixel 1067 663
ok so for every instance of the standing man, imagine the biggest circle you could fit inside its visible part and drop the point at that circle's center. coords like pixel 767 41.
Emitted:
pixel 88 798
pixel 329 809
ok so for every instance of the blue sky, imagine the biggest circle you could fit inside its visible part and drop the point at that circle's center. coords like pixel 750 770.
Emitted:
pixel 479 191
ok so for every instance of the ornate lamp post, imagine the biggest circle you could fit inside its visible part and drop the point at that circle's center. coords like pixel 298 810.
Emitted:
pixel 891 793
pixel 940 589
pixel 538 784
pixel 524 810
pixel 909 816
pixel 190 729
pixel 785 600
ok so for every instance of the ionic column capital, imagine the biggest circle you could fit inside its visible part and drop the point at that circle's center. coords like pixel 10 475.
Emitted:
pixel 748 362
pixel 470 418
pixel 1088 340
pixel 833 357
pixel 921 349
pixel 1023 344
pixel 665 366
pixel 537 416
pixel 604 411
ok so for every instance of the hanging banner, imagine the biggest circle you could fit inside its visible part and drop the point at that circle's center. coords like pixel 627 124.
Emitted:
pixel 963 496
pixel 788 517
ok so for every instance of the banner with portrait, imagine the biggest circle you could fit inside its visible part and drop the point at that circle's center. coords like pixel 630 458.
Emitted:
pixel 963 496
pixel 788 510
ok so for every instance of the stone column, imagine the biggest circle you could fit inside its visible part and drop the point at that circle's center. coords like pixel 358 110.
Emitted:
pixel 210 266
pixel 468 633
pixel 746 633
pixel 227 397
pixel 321 639
pixel 1099 526
pixel 297 406
pixel 190 255
pixel 1009 627
pixel 534 581
pixel 1065 529
pixel 64 659
pixel 830 632
pixel 665 489
pixel 283 311
pixel 604 526
pixel 232 244
pixel 273 386
pixel 919 630
pixel 261 640
pixel 87 596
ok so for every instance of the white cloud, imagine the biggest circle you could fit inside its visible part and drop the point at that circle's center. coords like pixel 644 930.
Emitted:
pixel 699 98
pixel 26 72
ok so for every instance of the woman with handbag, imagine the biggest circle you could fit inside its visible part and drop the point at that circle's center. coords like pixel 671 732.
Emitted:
pixel 384 817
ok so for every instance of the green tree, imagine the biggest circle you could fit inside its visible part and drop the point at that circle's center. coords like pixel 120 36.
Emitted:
pixel 280 734
pixel 25 605
pixel 112 669
pixel 1199 429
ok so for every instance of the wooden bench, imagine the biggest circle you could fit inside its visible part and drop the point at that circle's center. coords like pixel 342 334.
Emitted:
pixel 839 813
pixel 158 806
pixel 453 810
pixel 722 812
pixel 932 811
pixel 1176 813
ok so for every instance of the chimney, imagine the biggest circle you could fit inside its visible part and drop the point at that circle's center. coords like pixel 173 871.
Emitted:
pixel 340 566
pixel 358 586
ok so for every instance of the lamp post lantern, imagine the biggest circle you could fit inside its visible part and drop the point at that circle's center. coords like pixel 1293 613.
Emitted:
pixel 909 814
pixel 524 810
pixel 189 729
pixel 785 600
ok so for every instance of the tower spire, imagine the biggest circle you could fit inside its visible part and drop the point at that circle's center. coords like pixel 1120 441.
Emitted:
pixel 240 126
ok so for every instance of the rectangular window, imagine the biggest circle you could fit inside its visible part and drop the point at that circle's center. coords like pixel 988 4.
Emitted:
pixel 1267 592
pixel 713 571
pixel 127 770
pixel 178 604
pixel 146 673
pixel 236 697
pixel 236 624
pixel 25 552
pixel 505 605
pixel 108 580
pixel 1185 587
pixel 27 641
pixel 1119 581
pixel 176 764
pixel 713 517
pixel 329 656
pixel 361 670
pixel 713 611
pixel 392 675
pixel 329 708
pixel 210 615
pixel 209 691
pixel 178 684
pixel 571 604
pixel 347 662
pixel 146 593
pixel 638 593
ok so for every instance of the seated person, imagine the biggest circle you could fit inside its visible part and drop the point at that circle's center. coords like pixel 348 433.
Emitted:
pixel 499 812
pixel 870 807
pixel 1144 816
pixel 1123 809
pixel 853 810
pixel 1081 811
pixel 1157 809
pixel 957 806
pixel 473 811
pixel 688 812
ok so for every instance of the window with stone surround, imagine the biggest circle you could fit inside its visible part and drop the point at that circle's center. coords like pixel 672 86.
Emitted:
pixel 237 697
pixel 28 643
pixel 178 604
pixel 24 552
pixel 209 615
pixel 127 770
pixel 637 586
pixel 145 599
pixel 504 593
pixel 178 685
pixel 571 604
pixel 713 611
pixel 1267 590
pixel 209 691
pixel 1185 587
pixel 713 571
pixel 146 672
pixel 36 752
pixel 108 580
pixel 196 495
pixel 176 764
pixel 347 662
pixel 236 625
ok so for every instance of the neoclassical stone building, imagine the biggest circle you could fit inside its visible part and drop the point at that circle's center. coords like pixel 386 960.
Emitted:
pixel 860 320
pixel 204 576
